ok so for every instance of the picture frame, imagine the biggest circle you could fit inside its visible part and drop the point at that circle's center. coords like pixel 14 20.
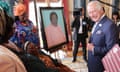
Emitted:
pixel 53 28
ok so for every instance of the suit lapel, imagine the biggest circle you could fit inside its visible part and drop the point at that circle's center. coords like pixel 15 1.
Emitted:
pixel 100 24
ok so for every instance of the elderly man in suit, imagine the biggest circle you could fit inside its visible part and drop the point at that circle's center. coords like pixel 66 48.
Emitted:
pixel 104 35
pixel 80 29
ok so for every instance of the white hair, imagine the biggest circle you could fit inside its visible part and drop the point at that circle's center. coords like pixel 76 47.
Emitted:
pixel 96 4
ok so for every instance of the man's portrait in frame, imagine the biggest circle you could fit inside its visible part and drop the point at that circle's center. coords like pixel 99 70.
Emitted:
pixel 53 27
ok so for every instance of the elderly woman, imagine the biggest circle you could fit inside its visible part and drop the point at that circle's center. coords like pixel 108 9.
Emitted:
pixel 9 61
pixel 30 48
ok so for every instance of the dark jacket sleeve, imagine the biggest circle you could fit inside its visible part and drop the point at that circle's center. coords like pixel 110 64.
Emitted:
pixel 75 22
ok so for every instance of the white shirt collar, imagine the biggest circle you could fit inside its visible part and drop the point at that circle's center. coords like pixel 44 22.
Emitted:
pixel 97 23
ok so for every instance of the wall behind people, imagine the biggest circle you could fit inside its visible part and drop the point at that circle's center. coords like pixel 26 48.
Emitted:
pixel 116 4
pixel 108 9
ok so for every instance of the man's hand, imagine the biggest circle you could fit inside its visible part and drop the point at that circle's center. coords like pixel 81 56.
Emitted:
pixel 90 46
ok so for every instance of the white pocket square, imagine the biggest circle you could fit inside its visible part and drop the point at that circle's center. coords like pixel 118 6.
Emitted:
pixel 99 32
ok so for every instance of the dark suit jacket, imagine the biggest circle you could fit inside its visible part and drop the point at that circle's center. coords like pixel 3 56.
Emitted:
pixel 76 25
pixel 103 38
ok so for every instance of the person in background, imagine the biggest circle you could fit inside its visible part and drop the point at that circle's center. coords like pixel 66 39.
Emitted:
pixel 91 23
pixel 9 61
pixel 103 37
pixel 116 20
pixel 80 29
pixel 24 26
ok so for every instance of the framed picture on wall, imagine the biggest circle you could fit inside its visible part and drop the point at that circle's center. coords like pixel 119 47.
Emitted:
pixel 53 27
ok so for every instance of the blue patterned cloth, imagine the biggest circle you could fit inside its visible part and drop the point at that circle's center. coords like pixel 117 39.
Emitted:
pixel 23 34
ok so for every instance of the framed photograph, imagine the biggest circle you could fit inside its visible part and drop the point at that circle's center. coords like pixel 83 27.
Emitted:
pixel 53 28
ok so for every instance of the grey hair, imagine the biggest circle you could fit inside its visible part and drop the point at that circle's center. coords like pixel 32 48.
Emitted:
pixel 2 21
pixel 97 5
